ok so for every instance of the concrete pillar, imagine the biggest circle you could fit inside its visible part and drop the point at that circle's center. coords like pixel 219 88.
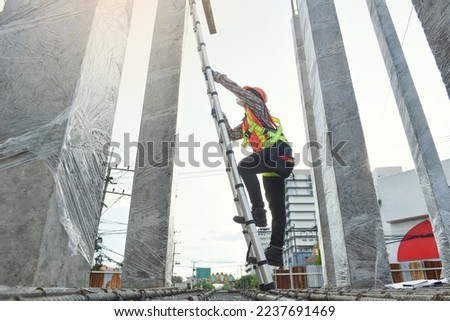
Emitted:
pixel 313 160
pixel 60 71
pixel 428 166
pixel 149 244
pixel 355 230
pixel 435 19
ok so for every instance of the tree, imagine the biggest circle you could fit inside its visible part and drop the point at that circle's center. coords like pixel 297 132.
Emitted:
pixel 226 287
pixel 248 282
pixel 315 259
pixel 177 279
pixel 205 284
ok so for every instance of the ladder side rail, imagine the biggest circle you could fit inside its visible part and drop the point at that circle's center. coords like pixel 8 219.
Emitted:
pixel 223 134
pixel 239 209
pixel 243 208
pixel 229 153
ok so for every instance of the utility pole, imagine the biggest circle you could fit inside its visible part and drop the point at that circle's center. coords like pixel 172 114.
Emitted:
pixel 174 253
pixel 109 180
pixel 193 280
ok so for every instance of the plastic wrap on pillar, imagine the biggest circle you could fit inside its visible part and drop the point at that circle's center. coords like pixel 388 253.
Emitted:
pixel 435 19
pixel 426 159
pixel 60 71
pixel 356 233
pixel 314 161
pixel 149 244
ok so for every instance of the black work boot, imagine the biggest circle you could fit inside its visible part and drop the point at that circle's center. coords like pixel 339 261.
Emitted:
pixel 274 255
pixel 259 215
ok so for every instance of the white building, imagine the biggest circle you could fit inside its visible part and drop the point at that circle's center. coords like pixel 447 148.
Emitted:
pixel 404 214
pixel 264 236
pixel 301 225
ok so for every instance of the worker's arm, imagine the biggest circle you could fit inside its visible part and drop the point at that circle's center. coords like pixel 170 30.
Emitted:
pixel 253 102
pixel 234 133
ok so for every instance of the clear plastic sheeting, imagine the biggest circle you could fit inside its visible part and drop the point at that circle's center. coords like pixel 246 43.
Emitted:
pixel 352 225
pixel 434 18
pixel 60 70
pixel 149 246
pixel 429 169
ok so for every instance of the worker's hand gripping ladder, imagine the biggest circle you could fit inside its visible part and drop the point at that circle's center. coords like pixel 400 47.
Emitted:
pixel 251 235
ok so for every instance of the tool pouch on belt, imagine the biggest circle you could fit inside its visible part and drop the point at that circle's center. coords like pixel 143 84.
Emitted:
pixel 281 154
pixel 285 165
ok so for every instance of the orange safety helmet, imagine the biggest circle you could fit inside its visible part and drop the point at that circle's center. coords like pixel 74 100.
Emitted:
pixel 260 92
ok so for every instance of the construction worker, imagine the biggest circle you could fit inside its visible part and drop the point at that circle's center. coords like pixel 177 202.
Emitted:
pixel 271 157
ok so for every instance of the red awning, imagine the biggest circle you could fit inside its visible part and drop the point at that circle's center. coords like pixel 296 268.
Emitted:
pixel 418 244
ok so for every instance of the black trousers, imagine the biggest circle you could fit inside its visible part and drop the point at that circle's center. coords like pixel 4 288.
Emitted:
pixel 268 160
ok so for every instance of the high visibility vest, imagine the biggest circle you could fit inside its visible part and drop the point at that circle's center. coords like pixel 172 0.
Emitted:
pixel 259 137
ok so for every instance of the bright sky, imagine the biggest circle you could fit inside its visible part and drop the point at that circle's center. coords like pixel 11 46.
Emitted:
pixel 254 46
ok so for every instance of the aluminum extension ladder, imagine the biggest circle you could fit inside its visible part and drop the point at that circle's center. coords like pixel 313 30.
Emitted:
pixel 261 265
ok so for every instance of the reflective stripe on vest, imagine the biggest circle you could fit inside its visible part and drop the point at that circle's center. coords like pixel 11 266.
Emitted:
pixel 259 137
pixel 270 174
